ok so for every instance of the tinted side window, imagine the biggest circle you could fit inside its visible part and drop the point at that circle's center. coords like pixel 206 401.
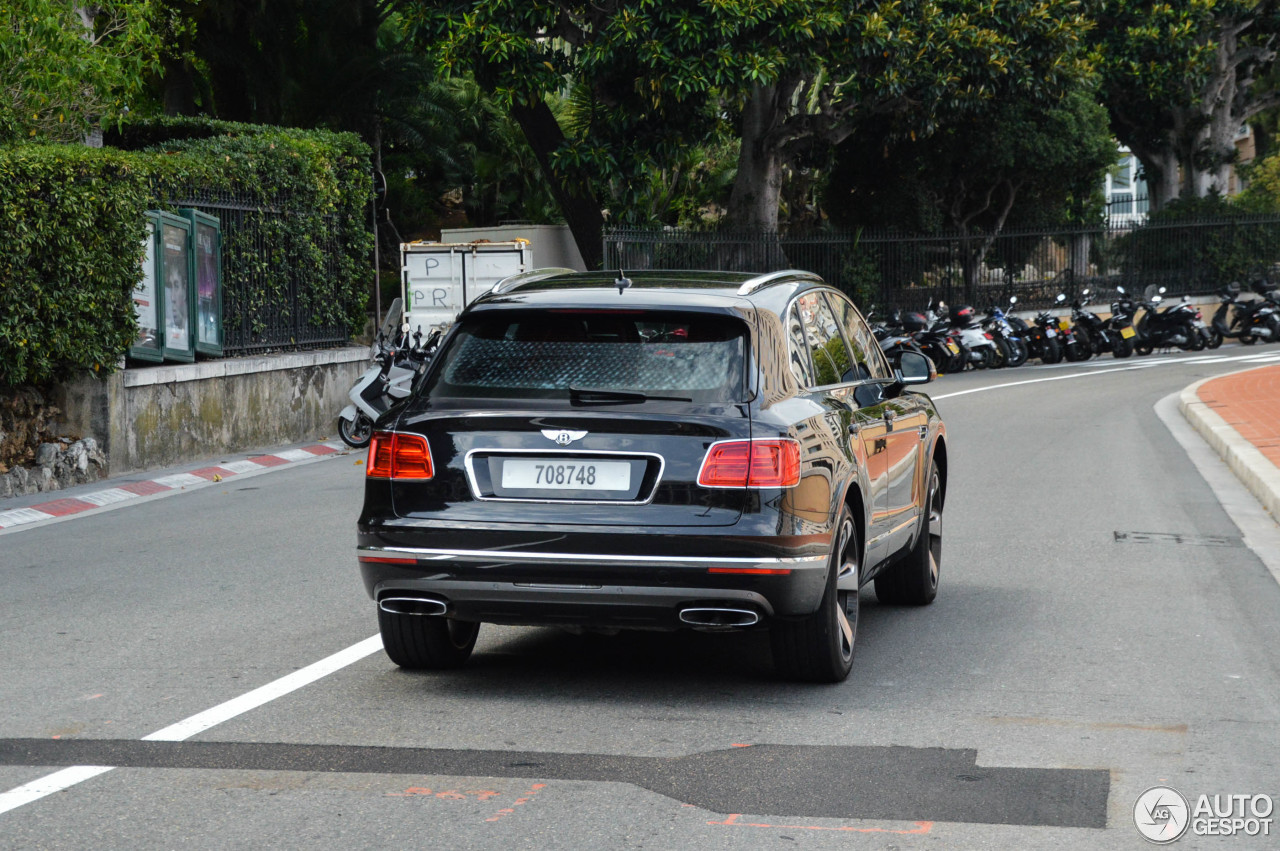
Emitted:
pixel 801 366
pixel 866 351
pixel 831 361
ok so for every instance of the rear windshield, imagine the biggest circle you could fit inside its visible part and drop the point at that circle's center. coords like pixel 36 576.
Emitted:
pixel 543 355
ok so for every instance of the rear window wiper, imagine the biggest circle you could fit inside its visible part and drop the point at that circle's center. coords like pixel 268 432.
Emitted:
pixel 587 395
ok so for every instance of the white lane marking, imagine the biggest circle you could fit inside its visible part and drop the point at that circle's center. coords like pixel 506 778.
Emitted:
pixel 198 723
pixel 17 516
pixel 1148 365
pixel 47 785
pixel 108 496
pixel 180 480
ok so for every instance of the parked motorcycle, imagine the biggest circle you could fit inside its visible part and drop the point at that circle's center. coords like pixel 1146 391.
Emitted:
pixel 391 378
pixel 1099 334
pixel 1253 319
pixel 1042 338
pixel 930 334
pixel 1011 350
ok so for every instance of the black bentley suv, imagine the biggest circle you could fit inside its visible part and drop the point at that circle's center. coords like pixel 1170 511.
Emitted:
pixel 664 450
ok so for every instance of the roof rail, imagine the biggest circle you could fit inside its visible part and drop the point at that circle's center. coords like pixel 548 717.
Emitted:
pixel 759 281
pixel 510 282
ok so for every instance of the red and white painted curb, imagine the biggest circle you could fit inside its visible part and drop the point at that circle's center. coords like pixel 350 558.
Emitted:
pixel 178 481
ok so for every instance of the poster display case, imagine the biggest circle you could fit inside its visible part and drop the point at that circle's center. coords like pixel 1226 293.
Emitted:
pixel 146 301
pixel 178 287
pixel 206 273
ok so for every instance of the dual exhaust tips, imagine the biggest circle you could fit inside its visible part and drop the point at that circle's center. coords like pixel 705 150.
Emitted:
pixel 703 617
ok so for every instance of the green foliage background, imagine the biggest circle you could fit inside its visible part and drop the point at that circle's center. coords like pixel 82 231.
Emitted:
pixel 72 226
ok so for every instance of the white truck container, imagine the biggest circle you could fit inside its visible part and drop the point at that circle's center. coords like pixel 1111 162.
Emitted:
pixel 439 279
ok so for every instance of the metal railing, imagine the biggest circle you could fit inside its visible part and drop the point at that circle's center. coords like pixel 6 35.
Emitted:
pixel 906 271
pixel 258 248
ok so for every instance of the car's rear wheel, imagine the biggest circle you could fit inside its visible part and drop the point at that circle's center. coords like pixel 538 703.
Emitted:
pixel 426 642
pixel 819 648
pixel 914 580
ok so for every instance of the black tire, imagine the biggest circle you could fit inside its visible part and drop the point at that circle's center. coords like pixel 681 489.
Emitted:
pixel 427 642
pixel 1143 347
pixel 356 434
pixel 1017 352
pixel 1195 340
pixel 1050 352
pixel 914 580
pixel 819 648
pixel 1123 348
pixel 1004 350
pixel 1248 339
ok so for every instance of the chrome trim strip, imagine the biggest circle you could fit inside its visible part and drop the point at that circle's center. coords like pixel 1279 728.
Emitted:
pixel 468 463
pixel 512 281
pixel 516 555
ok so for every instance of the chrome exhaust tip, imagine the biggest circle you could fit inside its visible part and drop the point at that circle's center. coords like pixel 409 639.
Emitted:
pixel 718 618
pixel 413 606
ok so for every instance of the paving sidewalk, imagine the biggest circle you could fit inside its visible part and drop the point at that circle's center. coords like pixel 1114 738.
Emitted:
pixel 1239 415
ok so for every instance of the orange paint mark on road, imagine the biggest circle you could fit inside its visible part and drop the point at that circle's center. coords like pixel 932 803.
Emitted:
pixel 736 745
pixel 733 821
pixel 521 801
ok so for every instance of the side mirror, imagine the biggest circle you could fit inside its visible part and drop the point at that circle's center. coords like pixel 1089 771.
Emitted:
pixel 1120 290
pixel 913 368
pixel 1161 290
pixel 1061 298
pixel 1084 292
pixel 1013 299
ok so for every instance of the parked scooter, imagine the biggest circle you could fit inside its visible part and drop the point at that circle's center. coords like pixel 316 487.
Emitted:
pixel 392 377
pixel 930 334
pixel 1179 325
pixel 1253 320
pixel 1043 338
pixel 979 345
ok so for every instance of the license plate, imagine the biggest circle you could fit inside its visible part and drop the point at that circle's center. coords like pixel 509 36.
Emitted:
pixel 1064 325
pixel 569 474
pixel 955 350
pixel 1128 332
pixel 1049 332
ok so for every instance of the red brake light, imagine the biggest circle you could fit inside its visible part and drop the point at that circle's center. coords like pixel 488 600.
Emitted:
pixel 399 456
pixel 766 463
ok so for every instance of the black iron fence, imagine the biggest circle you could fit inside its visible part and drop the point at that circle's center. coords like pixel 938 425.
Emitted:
pixel 891 270
pixel 264 311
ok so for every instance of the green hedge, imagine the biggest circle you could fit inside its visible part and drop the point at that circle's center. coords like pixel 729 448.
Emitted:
pixel 71 231
pixel 72 225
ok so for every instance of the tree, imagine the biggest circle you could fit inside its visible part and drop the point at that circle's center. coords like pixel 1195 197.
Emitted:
pixel 1179 78
pixel 66 67
pixel 979 171
pixel 795 75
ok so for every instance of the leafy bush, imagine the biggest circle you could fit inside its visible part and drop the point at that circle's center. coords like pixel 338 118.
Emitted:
pixel 1199 244
pixel 72 226
pixel 71 232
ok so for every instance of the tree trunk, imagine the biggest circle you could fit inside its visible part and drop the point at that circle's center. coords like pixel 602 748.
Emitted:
pixel 1163 177
pixel 580 207
pixel 757 188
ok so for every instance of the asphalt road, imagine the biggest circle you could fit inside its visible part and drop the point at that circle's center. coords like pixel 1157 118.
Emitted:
pixel 1101 628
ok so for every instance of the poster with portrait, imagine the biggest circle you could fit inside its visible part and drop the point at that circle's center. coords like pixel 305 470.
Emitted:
pixel 208 316
pixel 177 307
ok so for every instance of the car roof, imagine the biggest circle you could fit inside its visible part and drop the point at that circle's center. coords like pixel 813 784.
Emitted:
pixel 647 289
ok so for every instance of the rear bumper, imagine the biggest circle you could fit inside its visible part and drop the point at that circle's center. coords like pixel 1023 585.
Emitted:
pixel 592 589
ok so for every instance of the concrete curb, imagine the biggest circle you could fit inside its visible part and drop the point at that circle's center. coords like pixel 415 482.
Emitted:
pixel 1254 469
pixel 192 479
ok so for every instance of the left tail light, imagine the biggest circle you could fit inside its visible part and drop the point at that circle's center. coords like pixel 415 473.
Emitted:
pixel 399 456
